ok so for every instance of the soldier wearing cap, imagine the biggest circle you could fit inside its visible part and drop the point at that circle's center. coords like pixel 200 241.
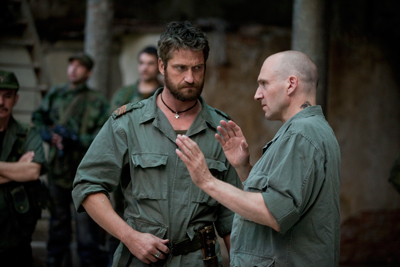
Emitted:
pixel 69 118
pixel 22 161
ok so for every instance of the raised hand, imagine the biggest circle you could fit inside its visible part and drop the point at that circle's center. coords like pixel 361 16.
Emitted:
pixel 234 144
pixel 194 160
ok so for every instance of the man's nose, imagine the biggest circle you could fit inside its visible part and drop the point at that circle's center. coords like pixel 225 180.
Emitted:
pixel 258 95
pixel 189 78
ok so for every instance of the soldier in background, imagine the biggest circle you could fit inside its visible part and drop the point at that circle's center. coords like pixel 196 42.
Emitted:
pixel 147 83
pixel 69 118
pixel 22 161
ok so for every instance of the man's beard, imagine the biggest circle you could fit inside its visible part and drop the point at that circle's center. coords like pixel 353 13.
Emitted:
pixel 187 95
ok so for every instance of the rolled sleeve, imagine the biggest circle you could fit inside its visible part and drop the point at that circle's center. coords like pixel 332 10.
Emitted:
pixel 82 190
pixel 282 208
pixel 100 169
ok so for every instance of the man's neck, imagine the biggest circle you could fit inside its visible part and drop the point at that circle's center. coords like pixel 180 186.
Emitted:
pixel 147 87
pixel 185 119
pixel 296 107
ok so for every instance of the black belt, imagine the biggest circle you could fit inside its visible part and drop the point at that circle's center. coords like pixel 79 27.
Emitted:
pixel 186 245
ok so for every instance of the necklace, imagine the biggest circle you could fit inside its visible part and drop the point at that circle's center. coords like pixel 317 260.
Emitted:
pixel 177 112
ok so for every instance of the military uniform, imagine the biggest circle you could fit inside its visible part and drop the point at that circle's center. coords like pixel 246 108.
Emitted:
pixel 299 179
pixel 161 197
pixel 20 203
pixel 78 115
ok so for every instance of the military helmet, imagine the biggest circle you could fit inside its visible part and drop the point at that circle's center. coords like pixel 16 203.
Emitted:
pixel 8 80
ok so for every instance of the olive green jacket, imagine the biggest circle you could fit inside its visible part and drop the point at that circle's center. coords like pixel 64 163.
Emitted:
pixel 82 112
pixel 298 176
pixel 19 209
pixel 161 197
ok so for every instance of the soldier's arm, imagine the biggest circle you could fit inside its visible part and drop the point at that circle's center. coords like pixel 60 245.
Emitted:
pixel 22 171
pixel 143 245
pixel 249 205
pixel 19 171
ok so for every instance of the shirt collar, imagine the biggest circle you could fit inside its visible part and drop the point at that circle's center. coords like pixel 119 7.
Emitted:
pixel 305 113
pixel 151 109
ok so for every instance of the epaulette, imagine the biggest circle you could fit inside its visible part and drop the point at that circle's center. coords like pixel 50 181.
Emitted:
pixel 223 114
pixel 126 108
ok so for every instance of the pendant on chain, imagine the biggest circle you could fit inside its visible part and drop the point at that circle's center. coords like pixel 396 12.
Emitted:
pixel 176 116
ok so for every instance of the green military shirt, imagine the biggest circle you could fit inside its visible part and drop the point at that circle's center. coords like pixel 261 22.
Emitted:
pixel 161 197
pixel 82 112
pixel 128 94
pixel 18 215
pixel 299 178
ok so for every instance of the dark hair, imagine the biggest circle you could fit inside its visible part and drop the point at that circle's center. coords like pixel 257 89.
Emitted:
pixel 151 50
pixel 181 35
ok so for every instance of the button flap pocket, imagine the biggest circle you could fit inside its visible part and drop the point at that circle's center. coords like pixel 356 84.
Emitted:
pixel 20 199
pixel 148 160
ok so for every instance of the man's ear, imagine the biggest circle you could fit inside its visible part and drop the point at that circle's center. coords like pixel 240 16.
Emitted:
pixel 161 66
pixel 293 83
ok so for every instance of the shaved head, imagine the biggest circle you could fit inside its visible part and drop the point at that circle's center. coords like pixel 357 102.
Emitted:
pixel 300 65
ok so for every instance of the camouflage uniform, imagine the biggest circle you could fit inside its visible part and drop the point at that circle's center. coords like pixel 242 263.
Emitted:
pixel 20 203
pixel 80 114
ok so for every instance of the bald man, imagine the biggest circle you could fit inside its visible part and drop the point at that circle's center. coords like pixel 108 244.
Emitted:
pixel 288 212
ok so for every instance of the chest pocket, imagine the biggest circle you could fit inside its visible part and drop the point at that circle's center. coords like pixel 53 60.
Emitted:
pixel 217 169
pixel 149 176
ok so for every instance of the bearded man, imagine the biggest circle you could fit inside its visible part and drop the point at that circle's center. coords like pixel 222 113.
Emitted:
pixel 165 214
